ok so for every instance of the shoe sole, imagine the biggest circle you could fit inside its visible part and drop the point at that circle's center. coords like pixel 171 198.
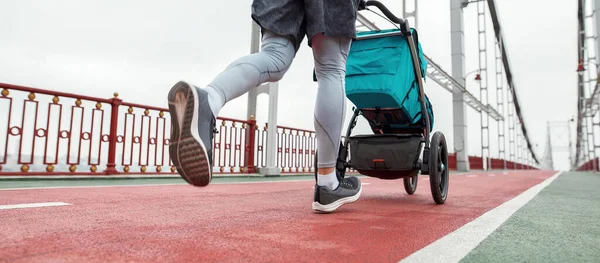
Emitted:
pixel 187 150
pixel 174 137
pixel 335 205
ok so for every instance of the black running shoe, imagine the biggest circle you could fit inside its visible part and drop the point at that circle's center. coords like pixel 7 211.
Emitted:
pixel 193 125
pixel 327 200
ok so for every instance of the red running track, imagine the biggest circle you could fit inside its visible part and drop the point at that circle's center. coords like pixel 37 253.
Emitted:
pixel 264 222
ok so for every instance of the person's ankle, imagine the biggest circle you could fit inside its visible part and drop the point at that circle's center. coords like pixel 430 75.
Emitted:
pixel 325 171
pixel 329 179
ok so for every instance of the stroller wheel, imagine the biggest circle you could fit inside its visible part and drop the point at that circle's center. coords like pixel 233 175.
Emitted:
pixel 439 178
pixel 410 184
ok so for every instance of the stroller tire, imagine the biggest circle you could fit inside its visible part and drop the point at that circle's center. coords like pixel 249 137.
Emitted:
pixel 410 184
pixel 439 175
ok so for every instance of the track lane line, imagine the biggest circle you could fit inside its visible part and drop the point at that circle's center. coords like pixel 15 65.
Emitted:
pixel 32 205
pixel 456 245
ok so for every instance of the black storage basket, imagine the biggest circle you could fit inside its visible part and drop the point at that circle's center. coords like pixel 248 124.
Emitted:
pixel 386 156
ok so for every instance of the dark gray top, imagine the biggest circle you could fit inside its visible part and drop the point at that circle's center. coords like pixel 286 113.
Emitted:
pixel 298 18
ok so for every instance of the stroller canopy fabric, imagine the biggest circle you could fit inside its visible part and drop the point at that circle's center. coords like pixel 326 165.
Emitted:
pixel 380 73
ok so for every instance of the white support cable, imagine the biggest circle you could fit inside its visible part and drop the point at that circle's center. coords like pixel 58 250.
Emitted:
pixel 411 15
pixel 581 145
pixel 483 83
pixel 588 121
pixel 366 22
pixel 583 150
pixel 590 108
pixel 437 74
pixel 556 142
pixel 500 104
pixel 593 77
pixel 581 103
pixel 548 157
pixel 510 78
pixel 518 145
pixel 511 128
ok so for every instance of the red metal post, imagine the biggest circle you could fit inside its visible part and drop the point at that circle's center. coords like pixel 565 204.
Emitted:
pixel 250 145
pixel 452 161
pixel 112 136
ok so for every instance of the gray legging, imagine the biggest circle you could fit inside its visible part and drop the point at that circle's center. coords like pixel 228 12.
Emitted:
pixel 271 64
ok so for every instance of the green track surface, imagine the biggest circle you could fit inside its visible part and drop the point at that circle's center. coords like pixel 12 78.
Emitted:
pixel 561 224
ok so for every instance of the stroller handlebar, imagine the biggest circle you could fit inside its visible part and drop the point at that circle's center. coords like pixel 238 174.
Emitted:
pixel 404 27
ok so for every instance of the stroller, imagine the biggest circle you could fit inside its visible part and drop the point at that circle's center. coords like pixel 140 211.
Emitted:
pixel 384 80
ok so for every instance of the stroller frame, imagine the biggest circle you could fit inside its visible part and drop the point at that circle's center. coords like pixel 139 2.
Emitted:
pixel 407 167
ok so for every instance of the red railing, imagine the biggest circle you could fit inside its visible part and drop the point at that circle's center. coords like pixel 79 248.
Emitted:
pixel 476 163
pixel 44 132
pixel 296 149
pixel 50 126
pixel 591 165
pixel 82 135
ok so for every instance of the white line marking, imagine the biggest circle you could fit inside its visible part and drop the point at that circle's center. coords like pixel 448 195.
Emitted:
pixel 451 173
pixel 6 207
pixel 456 245
pixel 491 175
pixel 472 175
pixel 82 186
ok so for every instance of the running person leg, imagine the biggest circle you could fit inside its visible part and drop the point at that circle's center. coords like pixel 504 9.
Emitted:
pixel 330 26
pixel 193 110
pixel 330 54
pixel 284 23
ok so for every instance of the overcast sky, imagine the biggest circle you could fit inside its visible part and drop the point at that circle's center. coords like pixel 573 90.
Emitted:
pixel 141 48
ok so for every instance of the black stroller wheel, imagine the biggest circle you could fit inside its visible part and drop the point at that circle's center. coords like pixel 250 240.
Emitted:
pixel 410 184
pixel 438 168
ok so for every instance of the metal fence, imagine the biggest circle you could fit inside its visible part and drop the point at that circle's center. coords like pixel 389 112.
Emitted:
pixel 44 132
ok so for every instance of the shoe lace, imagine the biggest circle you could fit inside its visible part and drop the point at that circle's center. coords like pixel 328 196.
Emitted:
pixel 346 183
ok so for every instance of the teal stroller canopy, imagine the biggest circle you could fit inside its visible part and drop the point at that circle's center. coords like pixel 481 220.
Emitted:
pixel 380 73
